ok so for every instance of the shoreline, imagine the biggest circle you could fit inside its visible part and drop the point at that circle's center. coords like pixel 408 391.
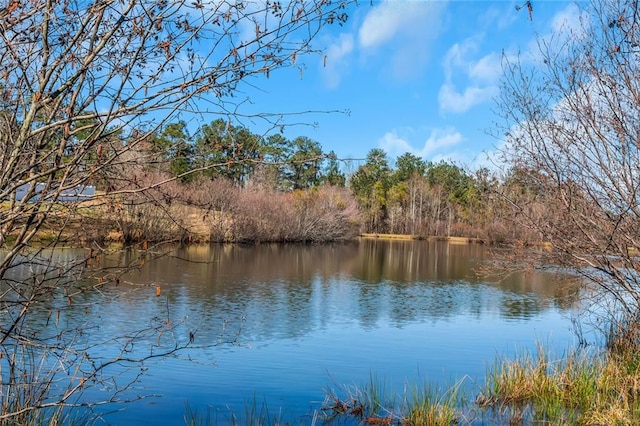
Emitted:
pixel 410 237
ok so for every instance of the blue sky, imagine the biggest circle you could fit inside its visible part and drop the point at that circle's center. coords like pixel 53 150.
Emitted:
pixel 417 76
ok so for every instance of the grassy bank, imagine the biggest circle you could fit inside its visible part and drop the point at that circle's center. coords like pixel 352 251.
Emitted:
pixel 582 387
pixel 579 388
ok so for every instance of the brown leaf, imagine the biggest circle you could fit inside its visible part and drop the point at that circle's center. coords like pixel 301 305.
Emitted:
pixel 13 6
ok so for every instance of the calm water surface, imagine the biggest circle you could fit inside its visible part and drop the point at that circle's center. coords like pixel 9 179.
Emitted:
pixel 306 319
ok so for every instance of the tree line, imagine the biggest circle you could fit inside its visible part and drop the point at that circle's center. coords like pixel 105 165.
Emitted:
pixel 234 175
pixel 443 199
pixel 223 150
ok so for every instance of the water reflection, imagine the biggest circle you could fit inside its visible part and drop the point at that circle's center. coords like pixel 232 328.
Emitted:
pixel 303 313
pixel 288 291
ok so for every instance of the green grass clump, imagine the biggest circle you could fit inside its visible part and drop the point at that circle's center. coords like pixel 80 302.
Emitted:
pixel 579 388
pixel 430 406
pixel 373 404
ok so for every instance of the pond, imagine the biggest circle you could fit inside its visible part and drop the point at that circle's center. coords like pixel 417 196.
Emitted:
pixel 302 319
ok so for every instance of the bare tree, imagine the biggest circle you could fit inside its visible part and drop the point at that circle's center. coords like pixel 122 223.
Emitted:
pixel 83 86
pixel 572 124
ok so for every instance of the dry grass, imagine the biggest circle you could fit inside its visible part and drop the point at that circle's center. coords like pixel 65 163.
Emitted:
pixel 579 388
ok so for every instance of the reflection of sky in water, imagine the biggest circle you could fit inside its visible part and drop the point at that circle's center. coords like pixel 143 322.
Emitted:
pixel 405 312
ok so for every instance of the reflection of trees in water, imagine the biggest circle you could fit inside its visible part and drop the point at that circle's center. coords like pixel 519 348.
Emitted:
pixel 437 301
pixel 522 306
pixel 561 289
pixel 289 291
pixel 410 261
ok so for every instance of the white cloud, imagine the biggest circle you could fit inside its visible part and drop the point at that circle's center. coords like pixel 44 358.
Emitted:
pixel 486 69
pixel 457 54
pixel 404 32
pixel 437 142
pixel 382 23
pixel 480 77
pixel 395 35
pixel 337 59
pixel 470 81
pixel 390 19
pixel 439 139
pixel 394 145
pixel 453 101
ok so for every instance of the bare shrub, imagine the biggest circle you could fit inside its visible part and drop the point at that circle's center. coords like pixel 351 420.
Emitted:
pixel 324 214
pixel 571 129
pixel 257 213
pixel 146 210
pixel 262 215
pixel 217 203
pixel 498 233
